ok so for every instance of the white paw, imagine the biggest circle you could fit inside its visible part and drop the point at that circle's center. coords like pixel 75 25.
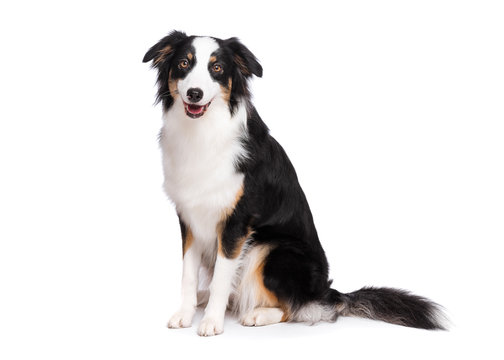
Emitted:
pixel 249 319
pixel 210 327
pixel 181 319
pixel 262 316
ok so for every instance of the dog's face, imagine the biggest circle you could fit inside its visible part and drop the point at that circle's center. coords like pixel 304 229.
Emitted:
pixel 201 70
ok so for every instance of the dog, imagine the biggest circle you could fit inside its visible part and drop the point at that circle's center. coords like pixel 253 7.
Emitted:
pixel 243 216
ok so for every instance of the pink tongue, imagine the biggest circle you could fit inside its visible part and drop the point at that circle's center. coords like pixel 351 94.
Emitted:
pixel 195 109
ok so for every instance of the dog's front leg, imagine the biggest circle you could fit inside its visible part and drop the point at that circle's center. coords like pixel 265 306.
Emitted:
pixel 220 289
pixel 191 263
pixel 230 244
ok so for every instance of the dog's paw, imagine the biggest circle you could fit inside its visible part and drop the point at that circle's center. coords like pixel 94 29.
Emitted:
pixel 181 319
pixel 262 316
pixel 210 327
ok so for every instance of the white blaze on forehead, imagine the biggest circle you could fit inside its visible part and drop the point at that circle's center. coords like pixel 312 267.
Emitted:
pixel 199 76
pixel 204 47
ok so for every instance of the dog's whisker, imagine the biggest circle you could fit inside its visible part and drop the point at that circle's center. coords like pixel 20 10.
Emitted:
pixel 168 93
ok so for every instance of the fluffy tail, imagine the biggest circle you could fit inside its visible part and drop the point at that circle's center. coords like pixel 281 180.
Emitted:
pixel 390 305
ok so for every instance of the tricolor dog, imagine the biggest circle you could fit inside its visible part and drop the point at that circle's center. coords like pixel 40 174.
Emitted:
pixel 243 215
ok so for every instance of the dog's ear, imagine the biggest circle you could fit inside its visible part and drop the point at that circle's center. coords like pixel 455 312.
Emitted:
pixel 244 59
pixel 164 49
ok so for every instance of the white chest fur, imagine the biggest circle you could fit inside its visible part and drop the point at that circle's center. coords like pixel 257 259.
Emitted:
pixel 198 160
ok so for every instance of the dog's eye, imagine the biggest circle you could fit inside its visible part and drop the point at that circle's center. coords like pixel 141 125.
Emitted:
pixel 183 64
pixel 217 68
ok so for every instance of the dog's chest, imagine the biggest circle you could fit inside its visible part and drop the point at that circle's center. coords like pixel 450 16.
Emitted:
pixel 199 170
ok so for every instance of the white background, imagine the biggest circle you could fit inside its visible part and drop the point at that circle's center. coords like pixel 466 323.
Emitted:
pixel 391 111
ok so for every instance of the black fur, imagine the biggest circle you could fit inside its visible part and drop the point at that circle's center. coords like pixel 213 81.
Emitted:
pixel 390 305
pixel 162 62
pixel 297 269
pixel 274 206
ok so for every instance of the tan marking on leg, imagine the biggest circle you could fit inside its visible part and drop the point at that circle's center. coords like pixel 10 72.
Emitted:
pixel 187 241
pixel 219 238
pixel 238 196
pixel 229 211
pixel 238 245
pixel 265 297
pixel 241 241
pixel 251 292
pixel 222 224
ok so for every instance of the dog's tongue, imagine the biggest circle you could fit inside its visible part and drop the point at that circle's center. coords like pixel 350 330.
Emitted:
pixel 195 109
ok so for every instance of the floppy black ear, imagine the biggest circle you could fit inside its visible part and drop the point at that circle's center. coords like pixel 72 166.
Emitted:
pixel 164 48
pixel 244 59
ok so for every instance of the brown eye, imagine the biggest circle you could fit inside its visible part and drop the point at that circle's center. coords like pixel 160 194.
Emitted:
pixel 183 64
pixel 217 68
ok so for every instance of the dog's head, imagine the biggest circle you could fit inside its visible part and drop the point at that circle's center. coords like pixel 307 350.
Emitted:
pixel 200 70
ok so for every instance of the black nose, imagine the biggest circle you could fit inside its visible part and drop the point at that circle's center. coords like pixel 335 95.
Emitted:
pixel 194 94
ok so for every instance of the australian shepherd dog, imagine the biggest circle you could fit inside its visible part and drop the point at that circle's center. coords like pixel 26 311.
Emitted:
pixel 243 216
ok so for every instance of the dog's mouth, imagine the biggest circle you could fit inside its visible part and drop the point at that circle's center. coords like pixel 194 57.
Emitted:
pixel 195 111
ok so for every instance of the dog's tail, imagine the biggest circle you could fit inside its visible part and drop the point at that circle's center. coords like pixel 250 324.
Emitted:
pixel 390 305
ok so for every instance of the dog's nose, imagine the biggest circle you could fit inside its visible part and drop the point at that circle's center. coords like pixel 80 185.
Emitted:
pixel 194 94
